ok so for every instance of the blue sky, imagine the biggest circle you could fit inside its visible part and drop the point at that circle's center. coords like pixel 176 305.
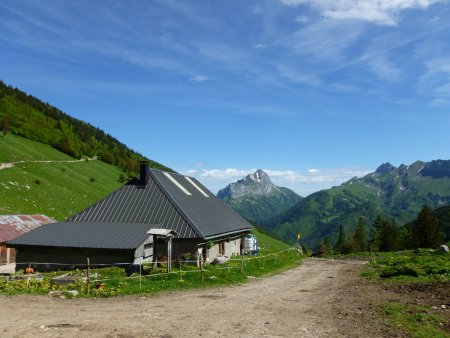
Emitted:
pixel 313 91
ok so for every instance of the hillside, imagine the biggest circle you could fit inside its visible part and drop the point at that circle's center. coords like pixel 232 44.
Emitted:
pixel 394 193
pixel 27 116
pixel 256 198
pixel 58 189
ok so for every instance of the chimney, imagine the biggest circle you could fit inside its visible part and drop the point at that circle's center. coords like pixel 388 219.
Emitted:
pixel 144 173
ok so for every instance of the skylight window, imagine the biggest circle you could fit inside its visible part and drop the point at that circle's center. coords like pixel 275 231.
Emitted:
pixel 196 186
pixel 174 181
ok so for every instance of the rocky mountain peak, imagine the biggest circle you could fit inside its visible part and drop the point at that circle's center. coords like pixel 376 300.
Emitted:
pixel 257 183
pixel 256 198
pixel 385 168
pixel 259 176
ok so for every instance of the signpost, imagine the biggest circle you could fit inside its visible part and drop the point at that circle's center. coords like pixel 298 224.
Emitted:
pixel 299 248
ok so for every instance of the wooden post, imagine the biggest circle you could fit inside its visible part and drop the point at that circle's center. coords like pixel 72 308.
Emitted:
pixel 88 274
pixel 242 265
pixel 201 270
pixel 140 275
pixel 154 259
pixel 169 254
pixel 28 278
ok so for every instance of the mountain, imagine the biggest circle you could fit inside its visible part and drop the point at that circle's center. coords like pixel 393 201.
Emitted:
pixel 256 198
pixel 393 193
pixel 27 116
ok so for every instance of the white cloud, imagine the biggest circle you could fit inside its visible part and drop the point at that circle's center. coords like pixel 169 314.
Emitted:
pixel 302 19
pixel 259 45
pixel 325 40
pixel 303 183
pixel 200 78
pixel 384 69
pixel 383 12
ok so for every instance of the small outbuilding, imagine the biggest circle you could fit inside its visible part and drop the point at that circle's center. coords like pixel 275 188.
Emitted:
pixel 13 226
pixel 133 225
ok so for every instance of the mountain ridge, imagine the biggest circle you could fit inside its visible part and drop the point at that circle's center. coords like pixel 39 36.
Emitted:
pixel 395 193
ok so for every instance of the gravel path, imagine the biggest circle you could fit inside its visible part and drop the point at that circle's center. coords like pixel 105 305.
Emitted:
pixel 320 298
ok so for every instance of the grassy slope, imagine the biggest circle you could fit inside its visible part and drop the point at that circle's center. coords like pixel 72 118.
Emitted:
pixel 62 189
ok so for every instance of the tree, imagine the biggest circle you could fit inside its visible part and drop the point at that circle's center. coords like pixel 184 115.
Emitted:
pixel 426 230
pixel 342 246
pixel 385 235
pixel 5 125
pixel 324 248
pixel 359 236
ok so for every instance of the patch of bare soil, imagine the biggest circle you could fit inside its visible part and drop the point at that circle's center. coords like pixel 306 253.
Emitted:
pixel 320 298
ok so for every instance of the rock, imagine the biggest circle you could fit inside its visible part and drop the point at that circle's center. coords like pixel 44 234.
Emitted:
pixel 444 248
pixel 63 294
pixel 251 277
pixel 220 260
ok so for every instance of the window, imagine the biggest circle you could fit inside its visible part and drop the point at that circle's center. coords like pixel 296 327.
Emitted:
pixel 222 248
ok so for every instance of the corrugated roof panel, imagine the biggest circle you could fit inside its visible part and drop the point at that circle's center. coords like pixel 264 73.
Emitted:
pixel 208 216
pixel 87 235
pixel 12 226
pixel 135 203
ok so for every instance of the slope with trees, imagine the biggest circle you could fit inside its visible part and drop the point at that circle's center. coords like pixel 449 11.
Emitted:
pixel 392 193
pixel 27 116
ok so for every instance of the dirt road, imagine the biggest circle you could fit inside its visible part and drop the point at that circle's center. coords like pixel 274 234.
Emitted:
pixel 320 298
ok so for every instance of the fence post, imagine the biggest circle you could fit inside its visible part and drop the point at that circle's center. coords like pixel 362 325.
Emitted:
pixel 242 265
pixel 88 274
pixel 140 275
pixel 201 270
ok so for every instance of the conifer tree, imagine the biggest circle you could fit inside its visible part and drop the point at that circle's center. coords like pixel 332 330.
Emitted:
pixel 385 235
pixel 342 246
pixel 359 236
pixel 426 231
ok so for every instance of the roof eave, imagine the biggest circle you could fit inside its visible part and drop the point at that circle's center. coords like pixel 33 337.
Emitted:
pixel 228 233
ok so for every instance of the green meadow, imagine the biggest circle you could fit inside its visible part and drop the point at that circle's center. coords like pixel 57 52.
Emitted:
pixel 57 189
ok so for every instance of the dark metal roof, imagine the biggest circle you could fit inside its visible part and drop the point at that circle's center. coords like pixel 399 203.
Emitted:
pixel 121 220
pixel 164 201
pixel 135 203
pixel 86 235
pixel 208 215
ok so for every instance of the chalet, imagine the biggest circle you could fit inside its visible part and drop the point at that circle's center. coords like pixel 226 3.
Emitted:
pixel 12 226
pixel 137 223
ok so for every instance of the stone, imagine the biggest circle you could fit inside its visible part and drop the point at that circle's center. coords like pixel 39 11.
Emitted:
pixel 444 248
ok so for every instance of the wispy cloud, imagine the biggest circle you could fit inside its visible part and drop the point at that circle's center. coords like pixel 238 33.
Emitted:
pixel 200 78
pixel 435 81
pixel 383 68
pixel 383 12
